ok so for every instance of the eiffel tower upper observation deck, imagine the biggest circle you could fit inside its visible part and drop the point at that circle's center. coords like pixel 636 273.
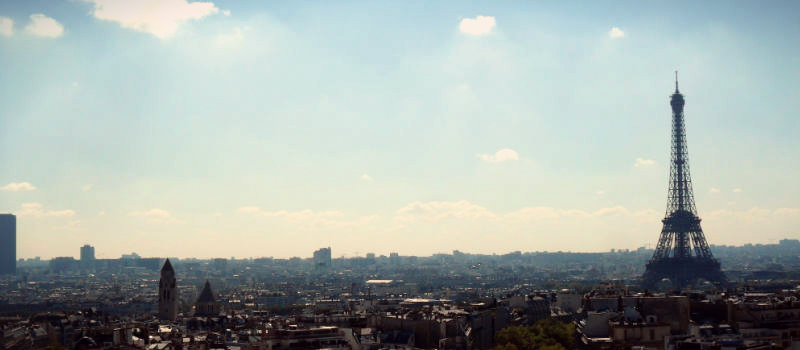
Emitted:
pixel 682 254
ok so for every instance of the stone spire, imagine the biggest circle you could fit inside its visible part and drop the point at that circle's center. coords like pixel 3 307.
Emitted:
pixel 167 294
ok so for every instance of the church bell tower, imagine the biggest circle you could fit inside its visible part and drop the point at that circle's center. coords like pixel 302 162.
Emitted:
pixel 167 294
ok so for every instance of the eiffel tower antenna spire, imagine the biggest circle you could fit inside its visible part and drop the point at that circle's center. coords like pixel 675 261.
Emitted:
pixel 676 82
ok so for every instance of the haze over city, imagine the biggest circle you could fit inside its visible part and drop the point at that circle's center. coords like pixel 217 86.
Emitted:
pixel 253 129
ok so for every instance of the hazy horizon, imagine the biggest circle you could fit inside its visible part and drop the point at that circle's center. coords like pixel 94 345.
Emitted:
pixel 334 256
pixel 250 129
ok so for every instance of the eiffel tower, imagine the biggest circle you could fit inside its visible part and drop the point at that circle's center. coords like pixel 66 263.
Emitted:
pixel 682 254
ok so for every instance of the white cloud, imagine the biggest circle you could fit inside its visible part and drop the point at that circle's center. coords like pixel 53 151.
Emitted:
pixel 600 192
pixel 6 26
pixel 18 186
pixel 366 177
pixel 36 209
pixel 87 187
pixel 616 33
pixel 477 26
pixel 161 18
pixel 156 215
pixel 44 26
pixel 226 12
pixel 737 190
pixel 502 155
pixel 641 162
pixel 713 190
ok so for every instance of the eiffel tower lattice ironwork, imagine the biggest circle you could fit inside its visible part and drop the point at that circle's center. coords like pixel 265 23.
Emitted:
pixel 682 254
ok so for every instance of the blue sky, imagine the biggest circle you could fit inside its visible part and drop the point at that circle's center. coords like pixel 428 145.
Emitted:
pixel 258 128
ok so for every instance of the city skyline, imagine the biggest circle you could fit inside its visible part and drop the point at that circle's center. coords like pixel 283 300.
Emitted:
pixel 362 255
pixel 479 128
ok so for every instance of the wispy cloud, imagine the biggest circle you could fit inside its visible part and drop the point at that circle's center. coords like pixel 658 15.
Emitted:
pixel 156 215
pixel 503 155
pixel 737 190
pixel 87 187
pixel 713 190
pixel 479 25
pixel 366 177
pixel 437 211
pixel 44 26
pixel 616 33
pixel 18 186
pixel 153 213
pixel 309 219
pixel 755 214
pixel 464 218
pixel 291 215
pixel 161 18
pixel 37 210
pixel 74 225
pixel 6 26
pixel 433 211
pixel 641 162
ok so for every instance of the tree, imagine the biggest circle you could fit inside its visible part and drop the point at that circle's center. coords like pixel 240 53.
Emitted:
pixel 544 334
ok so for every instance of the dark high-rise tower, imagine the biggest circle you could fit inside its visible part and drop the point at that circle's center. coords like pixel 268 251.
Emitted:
pixel 87 253
pixel 682 254
pixel 87 257
pixel 8 244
